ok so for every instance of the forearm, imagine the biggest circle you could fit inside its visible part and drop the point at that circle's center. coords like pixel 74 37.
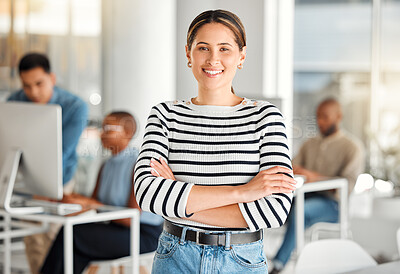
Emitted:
pixel 80 199
pixel 203 198
pixel 226 216
pixel 125 222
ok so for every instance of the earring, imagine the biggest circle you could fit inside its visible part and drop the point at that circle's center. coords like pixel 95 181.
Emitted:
pixel 189 64
pixel 240 66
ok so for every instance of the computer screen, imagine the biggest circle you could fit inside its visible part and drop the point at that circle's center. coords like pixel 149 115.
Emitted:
pixel 30 143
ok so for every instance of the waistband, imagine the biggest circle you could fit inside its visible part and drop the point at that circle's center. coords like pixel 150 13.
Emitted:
pixel 217 239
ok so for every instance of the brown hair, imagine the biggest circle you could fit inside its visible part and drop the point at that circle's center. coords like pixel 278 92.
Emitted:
pixel 224 17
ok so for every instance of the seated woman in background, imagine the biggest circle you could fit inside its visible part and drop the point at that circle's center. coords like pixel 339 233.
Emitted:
pixel 101 241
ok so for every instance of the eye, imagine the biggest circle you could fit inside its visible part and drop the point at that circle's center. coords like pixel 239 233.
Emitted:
pixel 224 49
pixel 203 48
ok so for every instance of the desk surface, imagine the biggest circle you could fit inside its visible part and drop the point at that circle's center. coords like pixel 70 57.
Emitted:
pixel 105 213
pixel 387 268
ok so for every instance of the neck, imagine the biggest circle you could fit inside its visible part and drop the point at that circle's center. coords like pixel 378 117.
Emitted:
pixel 331 133
pixel 217 98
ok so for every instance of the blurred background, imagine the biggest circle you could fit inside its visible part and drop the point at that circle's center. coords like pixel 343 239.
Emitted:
pixel 129 55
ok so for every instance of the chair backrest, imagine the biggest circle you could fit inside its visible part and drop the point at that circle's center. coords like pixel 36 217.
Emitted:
pixel 332 256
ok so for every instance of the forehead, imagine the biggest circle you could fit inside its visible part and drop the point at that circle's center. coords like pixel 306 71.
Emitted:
pixel 111 120
pixel 326 109
pixel 35 74
pixel 215 33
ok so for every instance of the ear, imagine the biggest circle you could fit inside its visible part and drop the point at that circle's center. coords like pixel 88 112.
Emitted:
pixel 53 78
pixel 187 53
pixel 243 55
pixel 340 116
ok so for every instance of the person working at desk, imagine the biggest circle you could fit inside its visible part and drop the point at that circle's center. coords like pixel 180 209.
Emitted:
pixel 100 241
pixel 38 84
pixel 334 153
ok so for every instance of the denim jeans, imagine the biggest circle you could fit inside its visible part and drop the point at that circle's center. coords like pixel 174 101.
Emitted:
pixel 317 208
pixel 174 255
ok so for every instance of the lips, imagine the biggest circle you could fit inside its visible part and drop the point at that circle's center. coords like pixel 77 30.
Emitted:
pixel 213 72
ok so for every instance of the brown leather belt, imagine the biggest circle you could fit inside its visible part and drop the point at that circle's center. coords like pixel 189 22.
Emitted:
pixel 218 239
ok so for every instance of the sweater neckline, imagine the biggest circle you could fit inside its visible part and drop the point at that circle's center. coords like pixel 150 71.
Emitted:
pixel 212 108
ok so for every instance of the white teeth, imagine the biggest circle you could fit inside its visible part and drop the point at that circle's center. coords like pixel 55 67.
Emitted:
pixel 213 72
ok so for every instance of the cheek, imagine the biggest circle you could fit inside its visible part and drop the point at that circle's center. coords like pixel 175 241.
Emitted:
pixel 198 59
pixel 231 62
pixel 46 88
pixel 106 137
pixel 28 92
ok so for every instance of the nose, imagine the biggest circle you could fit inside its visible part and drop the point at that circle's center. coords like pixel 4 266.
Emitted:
pixel 213 58
pixel 35 91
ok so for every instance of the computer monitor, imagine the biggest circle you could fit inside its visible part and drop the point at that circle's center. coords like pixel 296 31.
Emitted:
pixel 30 146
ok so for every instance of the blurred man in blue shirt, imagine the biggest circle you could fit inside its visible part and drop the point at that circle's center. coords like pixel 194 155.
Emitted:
pixel 38 86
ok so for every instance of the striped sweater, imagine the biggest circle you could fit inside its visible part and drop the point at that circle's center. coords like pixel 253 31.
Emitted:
pixel 212 145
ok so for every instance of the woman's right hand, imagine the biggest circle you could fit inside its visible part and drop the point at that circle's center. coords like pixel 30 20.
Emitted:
pixel 267 182
pixel 161 169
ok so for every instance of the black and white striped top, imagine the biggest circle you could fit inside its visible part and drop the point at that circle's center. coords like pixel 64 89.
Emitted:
pixel 212 145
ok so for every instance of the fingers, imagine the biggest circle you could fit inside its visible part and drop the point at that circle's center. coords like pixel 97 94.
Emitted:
pixel 281 190
pixel 167 168
pixel 161 169
pixel 273 182
pixel 282 185
pixel 158 168
pixel 155 172
pixel 276 169
pixel 281 178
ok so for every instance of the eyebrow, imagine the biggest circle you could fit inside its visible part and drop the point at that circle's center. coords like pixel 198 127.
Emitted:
pixel 220 44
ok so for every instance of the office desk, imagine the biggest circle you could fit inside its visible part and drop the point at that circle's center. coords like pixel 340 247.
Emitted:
pixel 341 185
pixel 109 213
pixel 386 268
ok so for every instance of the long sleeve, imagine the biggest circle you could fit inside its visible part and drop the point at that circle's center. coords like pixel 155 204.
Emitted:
pixel 74 122
pixel 211 146
pixel 155 194
pixel 270 211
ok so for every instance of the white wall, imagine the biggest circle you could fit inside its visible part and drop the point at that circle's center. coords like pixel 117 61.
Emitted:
pixel 139 43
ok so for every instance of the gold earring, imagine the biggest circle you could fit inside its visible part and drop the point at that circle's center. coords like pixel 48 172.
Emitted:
pixel 189 64
pixel 240 66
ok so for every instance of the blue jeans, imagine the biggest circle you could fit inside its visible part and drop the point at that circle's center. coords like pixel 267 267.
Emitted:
pixel 317 208
pixel 174 255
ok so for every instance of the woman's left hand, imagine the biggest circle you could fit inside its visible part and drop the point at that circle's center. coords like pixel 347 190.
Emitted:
pixel 161 169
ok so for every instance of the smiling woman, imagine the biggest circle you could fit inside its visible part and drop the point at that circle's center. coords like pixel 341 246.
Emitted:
pixel 216 45
pixel 214 62
pixel 224 170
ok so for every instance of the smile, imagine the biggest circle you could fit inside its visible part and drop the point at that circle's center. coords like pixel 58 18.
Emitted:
pixel 212 72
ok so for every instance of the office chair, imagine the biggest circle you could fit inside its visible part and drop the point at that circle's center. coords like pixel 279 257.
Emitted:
pixel 332 256
pixel 118 266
